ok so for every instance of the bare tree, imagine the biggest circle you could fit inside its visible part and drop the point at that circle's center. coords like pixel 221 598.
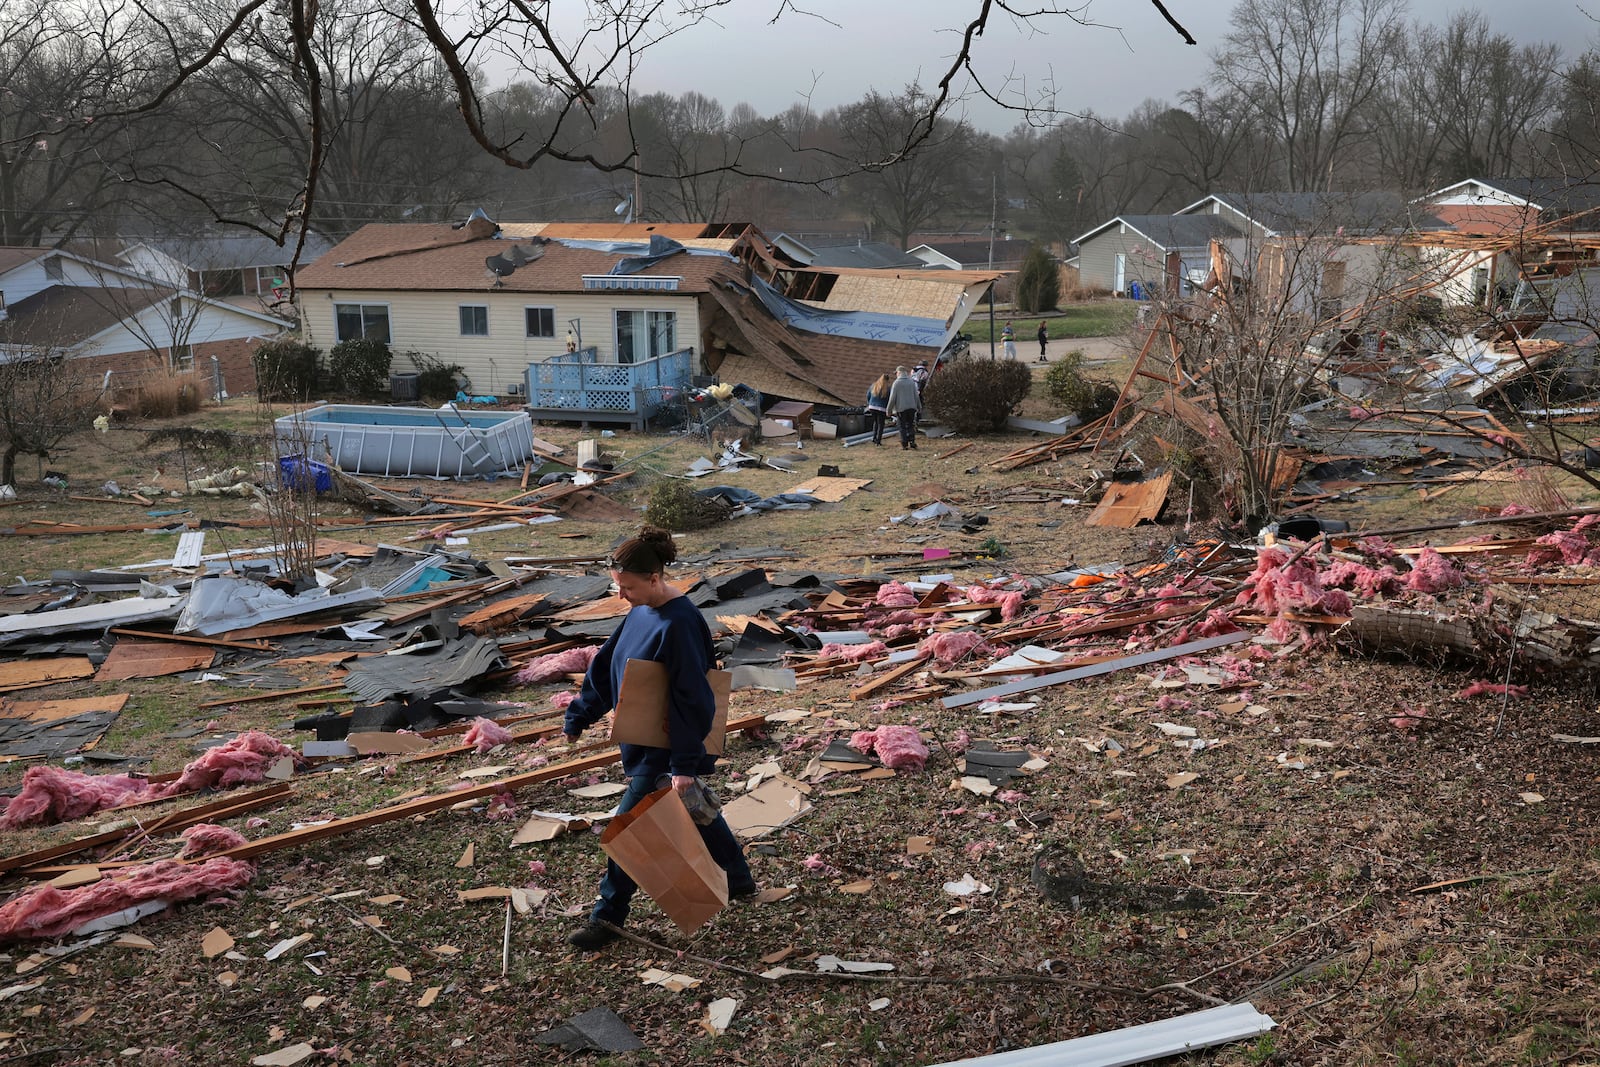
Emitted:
pixel 916 185
pixel 1486 97
pixel 44 398
pixel 1311 68
pixel 575 52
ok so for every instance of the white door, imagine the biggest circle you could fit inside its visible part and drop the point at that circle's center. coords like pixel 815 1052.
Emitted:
pixel 1119 273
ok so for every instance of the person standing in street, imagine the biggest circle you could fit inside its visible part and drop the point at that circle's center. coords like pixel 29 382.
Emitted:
pixel 1044 339
pixel 1009 337
pixel 905 404
pixel 878 406
pixel 663 625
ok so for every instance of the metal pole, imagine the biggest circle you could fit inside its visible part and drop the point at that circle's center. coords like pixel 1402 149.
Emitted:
pixel 991 320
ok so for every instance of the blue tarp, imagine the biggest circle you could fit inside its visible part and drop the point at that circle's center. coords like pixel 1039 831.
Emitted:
pixel 863 325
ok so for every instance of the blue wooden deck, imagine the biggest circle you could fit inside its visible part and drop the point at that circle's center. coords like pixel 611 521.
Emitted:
pixel 576 387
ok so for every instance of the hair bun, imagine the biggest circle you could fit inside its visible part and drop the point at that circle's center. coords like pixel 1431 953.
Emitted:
pixel 660 542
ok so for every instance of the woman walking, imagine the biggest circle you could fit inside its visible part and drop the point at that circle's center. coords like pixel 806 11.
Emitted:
pixel 878 406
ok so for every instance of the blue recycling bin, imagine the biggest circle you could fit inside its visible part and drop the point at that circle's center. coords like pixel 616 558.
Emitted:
pixel 299 474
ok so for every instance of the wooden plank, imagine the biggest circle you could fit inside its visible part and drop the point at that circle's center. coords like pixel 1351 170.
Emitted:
pixel 423 805
pixel 192 639
pixel 1205 644
pixel 887 678
pixel 257 698
pixel 152 659
pixel 30 673
pixel 502 614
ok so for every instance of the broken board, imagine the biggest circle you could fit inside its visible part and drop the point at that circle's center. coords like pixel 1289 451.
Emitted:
pixel 152 659
pixel 28 673
pixel 830 490
pixel 1127 505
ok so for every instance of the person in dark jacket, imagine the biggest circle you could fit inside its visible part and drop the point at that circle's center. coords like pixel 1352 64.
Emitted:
pixel 878 407
pixel 1044 339
pixel 663 625
pixel 904 405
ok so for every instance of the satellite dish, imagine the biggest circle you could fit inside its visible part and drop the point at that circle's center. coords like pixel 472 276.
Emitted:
pixel 500 266
pixel 517 256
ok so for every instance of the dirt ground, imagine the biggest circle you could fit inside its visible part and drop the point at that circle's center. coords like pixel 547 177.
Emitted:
pixel 1395 872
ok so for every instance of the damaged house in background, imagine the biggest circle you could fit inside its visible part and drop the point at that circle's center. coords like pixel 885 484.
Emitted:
pixel 610 321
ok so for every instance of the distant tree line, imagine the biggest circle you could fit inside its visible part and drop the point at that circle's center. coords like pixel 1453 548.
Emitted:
pixel 119 117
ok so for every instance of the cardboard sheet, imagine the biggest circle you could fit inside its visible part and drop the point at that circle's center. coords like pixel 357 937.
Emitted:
pixel 641 715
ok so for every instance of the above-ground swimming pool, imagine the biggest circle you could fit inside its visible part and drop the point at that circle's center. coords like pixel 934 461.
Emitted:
pixel 409 442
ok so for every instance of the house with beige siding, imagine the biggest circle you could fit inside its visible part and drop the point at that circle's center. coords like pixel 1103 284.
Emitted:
pixel 494 299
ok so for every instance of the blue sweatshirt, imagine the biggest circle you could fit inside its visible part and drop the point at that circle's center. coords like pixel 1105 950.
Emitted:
pixel 676 635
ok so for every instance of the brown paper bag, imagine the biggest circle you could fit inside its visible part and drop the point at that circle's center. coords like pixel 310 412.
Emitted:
pixel 641 716
pixel 660 847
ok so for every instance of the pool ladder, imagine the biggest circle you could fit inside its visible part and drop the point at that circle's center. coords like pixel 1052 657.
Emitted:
pixel 469 441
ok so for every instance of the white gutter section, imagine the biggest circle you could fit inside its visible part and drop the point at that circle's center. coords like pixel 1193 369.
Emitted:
pixel 1137 1044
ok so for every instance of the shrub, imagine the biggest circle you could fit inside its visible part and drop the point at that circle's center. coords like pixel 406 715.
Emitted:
pixel 160 395
pixel 1087 398
pixel 360 367
pixel 436 379
pixel 675 506
pixel 1038 282
pixel 286 370
pixel 976 395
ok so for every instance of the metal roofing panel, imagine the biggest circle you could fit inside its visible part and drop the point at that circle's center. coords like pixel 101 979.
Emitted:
pixel 1137 1044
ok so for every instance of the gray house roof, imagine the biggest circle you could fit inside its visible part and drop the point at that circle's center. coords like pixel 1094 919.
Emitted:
pixel 1171 232
pixel 1562 195
pixel 235 252
pixel 873 254
pixel 1355 213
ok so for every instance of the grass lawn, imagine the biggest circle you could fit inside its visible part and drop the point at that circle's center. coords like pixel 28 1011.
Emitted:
pixel 1097 318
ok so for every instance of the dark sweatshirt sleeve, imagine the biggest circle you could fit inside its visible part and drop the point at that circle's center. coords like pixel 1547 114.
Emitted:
pixel 691 705
pixel 595 697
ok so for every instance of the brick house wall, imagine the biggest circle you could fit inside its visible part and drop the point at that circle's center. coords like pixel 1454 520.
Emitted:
pixel 236 357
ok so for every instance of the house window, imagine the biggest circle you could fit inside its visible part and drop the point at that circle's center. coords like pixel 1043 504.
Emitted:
pixel 474 320
pixel 541 321
pixel 356 322
pixel 52 268
pixel 645 334
pixel 183 357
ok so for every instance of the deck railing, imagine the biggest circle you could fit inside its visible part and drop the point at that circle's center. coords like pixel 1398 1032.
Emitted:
pixel 575 385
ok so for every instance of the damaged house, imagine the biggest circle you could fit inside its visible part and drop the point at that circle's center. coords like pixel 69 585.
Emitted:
pixel 607 321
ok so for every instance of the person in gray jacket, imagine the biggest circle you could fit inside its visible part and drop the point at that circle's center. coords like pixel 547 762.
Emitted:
pixel 905 405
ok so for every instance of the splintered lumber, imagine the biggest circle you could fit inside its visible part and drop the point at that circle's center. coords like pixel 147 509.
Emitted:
pixel 1191 648
pixel 887 678
pixel 423 805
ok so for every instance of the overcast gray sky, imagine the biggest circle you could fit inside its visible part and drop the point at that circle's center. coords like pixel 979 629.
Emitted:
pixel 850 46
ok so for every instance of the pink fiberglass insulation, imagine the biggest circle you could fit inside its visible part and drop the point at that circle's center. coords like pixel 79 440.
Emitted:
pixel 899 630
pixel 950 647
pixel 899 747
pixel 1432 573
pixel 52 795
pixel 484 734
pixel 1283 586
pixel 1569 546
pixel 1377 548
pixel 1217 621
pixel 1499 689
pixel 1513 510
pixel 46 911
pixel 1588 522
pixel 854 653
pixel 895 595
pixel 902 617
pixel 1010 602
pixel 563 698
pixel 241 761
pixel 204 839
pixel 863 740
pixel 546 668
pixel 1368 582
